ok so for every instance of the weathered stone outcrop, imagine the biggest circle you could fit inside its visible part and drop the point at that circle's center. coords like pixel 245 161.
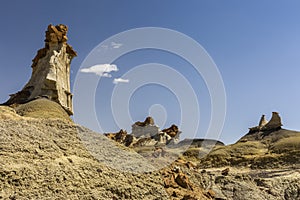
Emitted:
pixel 50 76
pixel 162 138
pixel 148 121
pixel 169 135
pixel 121 137
pixel 274 123
pixel 172 131
pixel 178 185
pixel 148 129
pixel 147 134
pixel 145 129
pixel 264 125
pixel 263 121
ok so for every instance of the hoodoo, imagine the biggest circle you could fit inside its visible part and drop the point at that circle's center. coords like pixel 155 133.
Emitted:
pixel 264 125
pixel 50 76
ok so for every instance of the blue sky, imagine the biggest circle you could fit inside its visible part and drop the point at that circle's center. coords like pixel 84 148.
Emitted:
pixel 255 45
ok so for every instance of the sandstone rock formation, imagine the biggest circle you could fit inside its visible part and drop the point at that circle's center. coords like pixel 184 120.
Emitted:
pixel 121 137
pixel 263 121
pixel 146 134
pixel 172 131
pixel 50 71
pixel 148 121
pixel 162 138
pixel 145 129
pixel 274 123
pixel 148 129
pixel 264 125
pixel 178 185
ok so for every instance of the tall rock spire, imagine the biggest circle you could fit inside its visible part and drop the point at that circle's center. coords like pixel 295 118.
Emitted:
pixel 274 123
pixel 262 121
pixel 50 76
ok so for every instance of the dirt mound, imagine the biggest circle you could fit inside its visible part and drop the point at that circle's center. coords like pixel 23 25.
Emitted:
pixel 42 108
pixel 46 159
pixel 269 149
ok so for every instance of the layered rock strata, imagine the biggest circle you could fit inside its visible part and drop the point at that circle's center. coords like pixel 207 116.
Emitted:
pixel 50 76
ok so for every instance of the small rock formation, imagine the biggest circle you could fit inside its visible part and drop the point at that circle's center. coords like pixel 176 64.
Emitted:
pixel 173 131
pixel 146 134
pixel 50 76
pixel 263 121
pixel 176 178
pixel 121 137
pixel 274 123
pixel 264 125
pixel 145 129
pixel 168 136
pixel 182 180
pixel 148 129
pixel 148 121
pixel 162 138
pixel 179 184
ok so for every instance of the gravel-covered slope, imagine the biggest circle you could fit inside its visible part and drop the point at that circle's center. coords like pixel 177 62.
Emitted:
pixel 46 159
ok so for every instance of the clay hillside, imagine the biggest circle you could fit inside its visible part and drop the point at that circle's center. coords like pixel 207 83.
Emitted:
pixel 45 155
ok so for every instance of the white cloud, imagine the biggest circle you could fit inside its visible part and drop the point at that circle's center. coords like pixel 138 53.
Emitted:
pixel 106 75
pixel 101 70
pixel 112 45
pixel 115 45
pixel 120 80
pixel 104 46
